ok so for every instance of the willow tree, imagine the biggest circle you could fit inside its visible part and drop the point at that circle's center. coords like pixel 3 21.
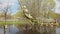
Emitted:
pixel 38 8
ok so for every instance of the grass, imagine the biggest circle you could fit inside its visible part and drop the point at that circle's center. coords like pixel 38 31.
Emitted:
pixel 22 22
pixel 13 22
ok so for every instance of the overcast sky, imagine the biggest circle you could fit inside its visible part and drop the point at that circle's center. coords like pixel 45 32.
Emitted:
pixel 13 4
pixel 56 8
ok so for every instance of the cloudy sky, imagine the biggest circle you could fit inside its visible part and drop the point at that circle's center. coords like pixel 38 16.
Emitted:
pixel 12 4
pixel 57 6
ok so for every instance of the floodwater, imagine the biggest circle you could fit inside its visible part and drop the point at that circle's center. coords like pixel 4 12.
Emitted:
pixel 14 30
pixel 57 30
pixel 10 30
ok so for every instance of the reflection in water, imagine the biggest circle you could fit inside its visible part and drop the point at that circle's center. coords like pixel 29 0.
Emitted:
pixel 1 31
pixel 41 30
pixel 10 30
pixel 13 30
pixel 57 30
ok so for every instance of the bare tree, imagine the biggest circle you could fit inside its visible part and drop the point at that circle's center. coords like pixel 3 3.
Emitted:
pixel 5 10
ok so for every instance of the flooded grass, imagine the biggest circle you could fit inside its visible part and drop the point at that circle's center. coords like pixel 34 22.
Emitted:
pixel 27 28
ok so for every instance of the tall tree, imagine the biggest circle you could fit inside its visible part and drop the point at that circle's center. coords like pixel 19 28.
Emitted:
pixel 37 8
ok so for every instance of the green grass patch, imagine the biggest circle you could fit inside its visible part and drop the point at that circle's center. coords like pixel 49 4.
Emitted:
pixel 13 22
